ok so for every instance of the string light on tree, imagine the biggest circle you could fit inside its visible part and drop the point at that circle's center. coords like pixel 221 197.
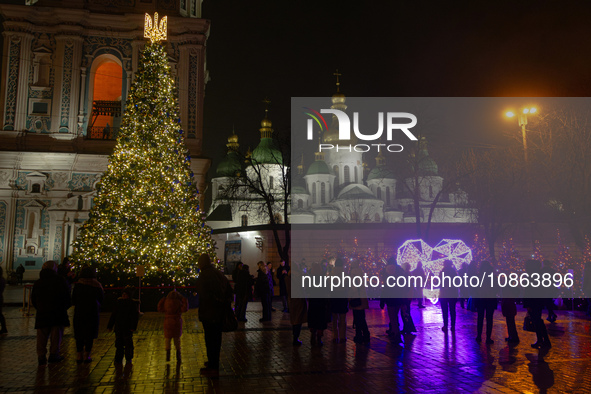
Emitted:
pixel 146 210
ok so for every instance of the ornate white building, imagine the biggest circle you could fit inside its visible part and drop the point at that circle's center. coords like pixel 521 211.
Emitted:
pixel 66 70
pixel 333 188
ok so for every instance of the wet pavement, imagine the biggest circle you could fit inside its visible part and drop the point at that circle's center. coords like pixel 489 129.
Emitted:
pixel 260 358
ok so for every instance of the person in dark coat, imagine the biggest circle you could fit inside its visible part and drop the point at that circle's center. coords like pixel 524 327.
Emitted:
pixel 359 303
pixel 270 272
pixel 548 269
pixel 318 311
pixel 215 293
pixel 298 308
pixel 51 299
pixel 535 304
pixel 418 292
pixel 124 320
pixel 65 271
pixel 263 291
pixel 243 290
pixel 448 295
pixel 339 306
pixel 173 306
pixel 87 298
pixel 4 330
pixel 486 304
pixel 20 272
pixel 394 304
pixel 282 271
pixel 509 310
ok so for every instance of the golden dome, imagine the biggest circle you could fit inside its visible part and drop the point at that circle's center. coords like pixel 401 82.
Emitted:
pixel 266 123
pixel 338 98
pixel 233 142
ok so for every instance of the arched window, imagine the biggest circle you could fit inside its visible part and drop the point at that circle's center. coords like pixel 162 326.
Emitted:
pixel 105 94
pixel 270 183
pixel 388 196
pixel 430 191
pixel 323 193
pixel 278 218
pixel 377 217
pixel 244 220
pixel 379 193
pixel 36 188
pixel 366 217
pixel 300 204
pixel 314 193
pixel 355 172
pixel 346 175
pixel 354 217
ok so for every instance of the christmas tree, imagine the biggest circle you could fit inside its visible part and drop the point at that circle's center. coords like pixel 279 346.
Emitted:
pixel 146 211
pixel 479 249
pixel 509 257
pixel 564 260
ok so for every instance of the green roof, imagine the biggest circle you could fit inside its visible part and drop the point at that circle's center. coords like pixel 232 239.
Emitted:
pixel 427 165
pixel 357 193
pixel 318 167
pixel 381 172
pixel 266 153
pixel 229 166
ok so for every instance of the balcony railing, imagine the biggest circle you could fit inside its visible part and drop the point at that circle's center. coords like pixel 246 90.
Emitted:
pixel 102 133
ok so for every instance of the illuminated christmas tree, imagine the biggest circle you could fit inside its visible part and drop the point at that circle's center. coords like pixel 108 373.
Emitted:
pixel 479 249
pixel 537 254
pixel 146 211
pixel 509 258
pixel 564 260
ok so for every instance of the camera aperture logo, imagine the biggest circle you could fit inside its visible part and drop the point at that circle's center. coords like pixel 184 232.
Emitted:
pixel 390 125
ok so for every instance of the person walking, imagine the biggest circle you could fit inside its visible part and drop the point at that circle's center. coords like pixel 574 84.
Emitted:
pixel 242 288
pixel 51 299
pixel 359 303
pixel 87 298
pixel 448 295
pixel 486 303
pixel 298 310
pixel 3 330
pixel 318 311
pixel 339 306
pixel 173 306
pixel 535 305
pixel 124 320
pixel 215 294
pixel 418 291
pixel 392 269
pixel 263 291
pixel 281 273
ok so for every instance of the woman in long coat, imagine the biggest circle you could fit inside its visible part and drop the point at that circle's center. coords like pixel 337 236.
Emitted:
pixel 173 306
pixel 318 312
pixel 87 298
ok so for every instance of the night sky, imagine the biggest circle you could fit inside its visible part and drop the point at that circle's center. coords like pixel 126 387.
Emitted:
pixel 281 49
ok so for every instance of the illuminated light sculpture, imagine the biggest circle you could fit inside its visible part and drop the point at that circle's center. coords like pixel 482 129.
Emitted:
pixel 415 250
pixel 154 31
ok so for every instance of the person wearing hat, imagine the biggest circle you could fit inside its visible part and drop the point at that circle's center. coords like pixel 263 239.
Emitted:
pixel 51 299
pixel 214 293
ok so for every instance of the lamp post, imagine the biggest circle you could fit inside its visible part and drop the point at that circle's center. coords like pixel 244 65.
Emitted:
pixel 522 121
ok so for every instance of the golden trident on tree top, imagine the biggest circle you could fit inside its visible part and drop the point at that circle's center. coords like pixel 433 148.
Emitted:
pixel 155 32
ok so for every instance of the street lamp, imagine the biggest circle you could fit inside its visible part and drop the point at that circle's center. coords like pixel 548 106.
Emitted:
pixel 522 120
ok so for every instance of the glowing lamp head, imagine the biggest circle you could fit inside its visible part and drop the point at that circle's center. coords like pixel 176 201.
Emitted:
pixel 526 111
pixel 532 110
pixel 509 114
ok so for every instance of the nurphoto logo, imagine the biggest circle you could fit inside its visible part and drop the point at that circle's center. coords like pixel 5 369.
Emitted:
pixel 391 124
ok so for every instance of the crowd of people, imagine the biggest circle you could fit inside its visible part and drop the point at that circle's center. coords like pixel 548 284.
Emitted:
pixel 57 289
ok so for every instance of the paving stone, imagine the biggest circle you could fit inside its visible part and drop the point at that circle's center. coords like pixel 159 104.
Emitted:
pixel 260 358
